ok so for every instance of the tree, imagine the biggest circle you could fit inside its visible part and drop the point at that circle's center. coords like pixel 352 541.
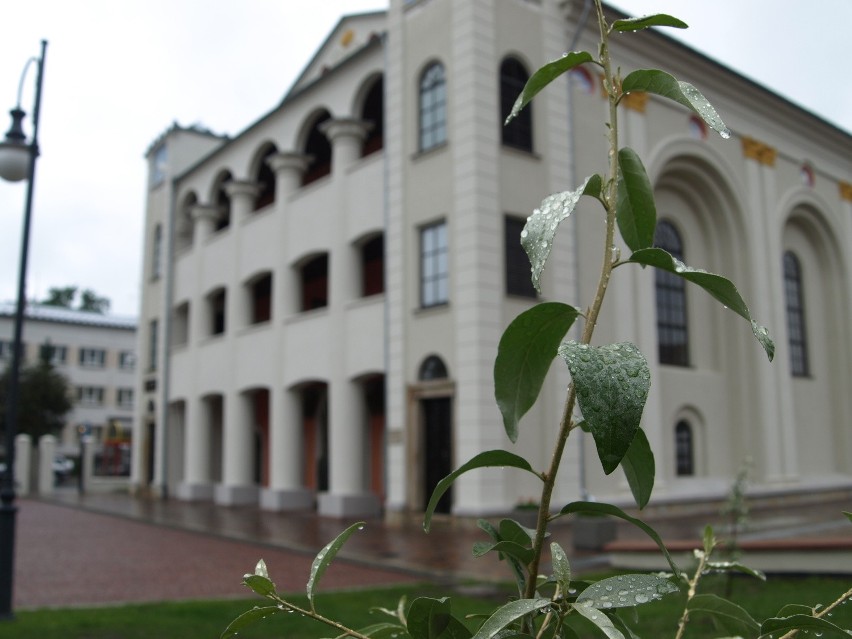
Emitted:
pixel 44 397
pixel 64 296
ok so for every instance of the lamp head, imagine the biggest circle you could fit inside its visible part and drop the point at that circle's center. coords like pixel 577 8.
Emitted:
pixel 14 151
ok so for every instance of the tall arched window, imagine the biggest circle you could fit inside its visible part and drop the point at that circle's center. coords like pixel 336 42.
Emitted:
pixel 794 297
pixel 518 133
pixel 684 449
pixel 672 328
pixel 433 107
pixel 373 112
pixel 318 149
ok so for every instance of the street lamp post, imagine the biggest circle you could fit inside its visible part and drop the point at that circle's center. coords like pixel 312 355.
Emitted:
pixel 17 162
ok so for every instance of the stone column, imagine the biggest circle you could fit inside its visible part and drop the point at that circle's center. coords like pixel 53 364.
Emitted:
pixel 237 485
pixel 196 482
pixel 23 462
pixel 346 136
pixel 204 217
pixel 288 168
pixel 243 194
pixel 285 490
pixel 46 454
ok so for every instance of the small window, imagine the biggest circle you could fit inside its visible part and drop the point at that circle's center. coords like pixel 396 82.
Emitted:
pixel 434 265
pixel 518 267
pixel 261 299
pixel 153 344
pixel 672 327
pixel 157 252
pixel 373 112
pixel 216 305
pixel 373 267
pixel 433 107
pixel 7 347
pixel 518 134
pixel 794 298
pixel 125 398
pixel 265 181
pixel 127 360
pixel 58 355
pixel 318 149
pixel 432 368
pixel 223 202
pixel 315 283
pixel 92 357
pixel 90 395
pixel 684 449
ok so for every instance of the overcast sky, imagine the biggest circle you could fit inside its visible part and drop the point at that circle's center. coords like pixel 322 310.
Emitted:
pixel 119 72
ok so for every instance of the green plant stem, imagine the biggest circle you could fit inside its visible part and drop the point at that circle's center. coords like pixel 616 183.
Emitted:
pixel 318 617
pixel 693 586
pixel 567 423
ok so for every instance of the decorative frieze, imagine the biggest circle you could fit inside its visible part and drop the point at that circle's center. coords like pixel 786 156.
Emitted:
pixel 845 191
pixel 756 150
pixel 636 101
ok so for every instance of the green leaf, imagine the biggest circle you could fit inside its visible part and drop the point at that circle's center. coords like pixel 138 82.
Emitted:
pixel 639 468
pixel 260 569
pixel 597 508
pixel 612 384
pixel 510 548
pixel 540 229
pixel 731 617
pixel 636 212
pixel 802 622
pixel 598 618
pixel 625 591
pixel 524 355
pixel 709 540
pixel 666 85
pixel 735 566
pixel 643 22
pixel 262 586
pixel 246 619
pixel 430 618
pixel 383 630
pixel 488 459
pixel 325 557
pixel 544 76
pixel 507 614
pixel 848 515
pixel 719 287
pixel 561 567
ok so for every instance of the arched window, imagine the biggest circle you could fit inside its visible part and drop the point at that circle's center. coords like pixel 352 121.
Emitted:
pixel 672 328
pixel 223 202
pixel 373 266
pixel 433 107
pixel 373 112
pixel 318 148
pixel 794 297
pixel 684 449
pixel 266 181
pixel 432 368
pixel 314 275
pixel 518 133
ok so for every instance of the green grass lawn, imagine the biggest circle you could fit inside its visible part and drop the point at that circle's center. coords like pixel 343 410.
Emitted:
pixel 207 619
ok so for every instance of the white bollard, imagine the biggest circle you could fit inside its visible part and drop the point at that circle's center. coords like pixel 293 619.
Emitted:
pixel 46 454
pixel 23 463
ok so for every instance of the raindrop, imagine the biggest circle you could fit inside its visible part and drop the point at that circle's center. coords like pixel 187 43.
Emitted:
pixel 726 134
pixel 641 598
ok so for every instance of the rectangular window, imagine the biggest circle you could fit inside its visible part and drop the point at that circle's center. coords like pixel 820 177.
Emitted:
pixel 434 265
pixel 127 360
pixel 6 349
pixel 518 268
pixel 92 357
pixel 153 330
pixel 90 395
pixel 125 398
pixel 58 355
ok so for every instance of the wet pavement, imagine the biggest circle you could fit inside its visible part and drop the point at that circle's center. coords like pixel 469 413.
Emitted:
pixel 111 548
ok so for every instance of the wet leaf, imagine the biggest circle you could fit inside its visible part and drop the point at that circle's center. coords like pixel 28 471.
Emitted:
pixel 666 85
pixel 488 459
pixel 625 591
pixel 430 618
pixel 540 229
pixel 544 76
pixel 248 618
pixel 730 617
pixel 639 468
pixel 735 566
pixel 599 508
pixel 636 212
pixel 612 384
pixel 383 630
pixel 325 557
pixel 524 355
pixel 807 623
pixel 509 548
pixel 848 515
pixel 262 586
pixel 598 618
pixel 260 569
pixel 719 287
pixel 561 567
pixel 507 614
pixel 643 22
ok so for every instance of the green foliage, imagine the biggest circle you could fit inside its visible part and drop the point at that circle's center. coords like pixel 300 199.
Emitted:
pixel 64 296
pixel 609 386
pixel 43 399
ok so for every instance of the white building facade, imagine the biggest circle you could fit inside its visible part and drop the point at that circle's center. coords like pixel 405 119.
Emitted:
pixel 96 353
pixel 324 293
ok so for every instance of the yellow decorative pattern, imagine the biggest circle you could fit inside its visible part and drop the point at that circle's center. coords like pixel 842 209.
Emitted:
pixel 636 100
pixel 845 191
pixel 347 37
pixel 756 150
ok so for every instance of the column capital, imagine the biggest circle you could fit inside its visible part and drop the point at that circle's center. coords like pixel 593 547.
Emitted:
pixel 345 127
pixel 288 161
pixel 237 188
pixel 205 212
